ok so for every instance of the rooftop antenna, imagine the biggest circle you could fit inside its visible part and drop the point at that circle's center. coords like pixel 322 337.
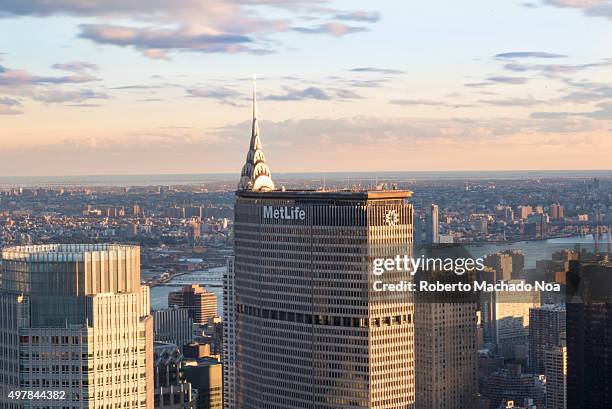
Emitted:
pixel 254 96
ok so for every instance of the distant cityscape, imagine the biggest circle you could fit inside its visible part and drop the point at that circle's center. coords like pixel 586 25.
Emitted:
pixel 211 296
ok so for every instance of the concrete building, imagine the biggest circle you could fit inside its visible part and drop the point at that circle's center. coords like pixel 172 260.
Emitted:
pixel 446 360
pixel 546 324
pixel 446 355
pixel 205 375
pixel 201 304
pixel 173 325
pixel 505 320
pixel 511 384
pixel 171 392
pixel 309 331
pixel 556 211
pixel 589 330
pixel 503 265
pixel 555 369
pixel 75 319
pixel 229 335
pixel 432 231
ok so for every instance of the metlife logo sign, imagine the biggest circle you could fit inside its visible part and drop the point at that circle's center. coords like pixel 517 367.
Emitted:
pixel 284 213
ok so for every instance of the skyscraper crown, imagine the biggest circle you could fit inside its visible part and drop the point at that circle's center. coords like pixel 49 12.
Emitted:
pixel 255 173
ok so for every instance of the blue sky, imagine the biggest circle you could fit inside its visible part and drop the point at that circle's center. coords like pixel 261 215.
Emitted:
pixel 162 86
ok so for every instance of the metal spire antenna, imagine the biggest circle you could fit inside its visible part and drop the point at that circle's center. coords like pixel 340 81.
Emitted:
pixel 254 96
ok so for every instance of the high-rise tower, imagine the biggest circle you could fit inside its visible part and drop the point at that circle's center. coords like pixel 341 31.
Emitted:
pixel 308 328
pixel 433 226
pixel 75 320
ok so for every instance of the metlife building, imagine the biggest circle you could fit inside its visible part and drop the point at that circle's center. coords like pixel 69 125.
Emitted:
pixel 309 330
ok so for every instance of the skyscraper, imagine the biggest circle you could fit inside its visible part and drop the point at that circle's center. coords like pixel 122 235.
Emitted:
pixel 201 304
pixel 206 377
pixel 505 316
pixel 433 226
pixel 556 211
pixel 75 320
pixel 229 335
pixel 546 324
pixel 589 330
pixel 446 357
pixel 555 369
pixel 173 325
pixel 309 330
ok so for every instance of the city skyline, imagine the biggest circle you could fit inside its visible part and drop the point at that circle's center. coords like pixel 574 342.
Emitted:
pixel 418 87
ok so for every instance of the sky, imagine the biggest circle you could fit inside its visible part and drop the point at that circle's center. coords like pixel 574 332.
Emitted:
pixel 92 87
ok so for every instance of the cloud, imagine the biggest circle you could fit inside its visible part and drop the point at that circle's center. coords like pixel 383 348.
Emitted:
pixel 364 16
pixel 478 84
pixel 347 94
pixel 604 112
pixel 140 8
pixel 334 29
pixel 526 102
pixel 75 66
pixel 388 71
pixel 594 8
pixel 300 94
pixel 556 70
pixel 509 80
pixel 587 92
pixel 529 54
pixel 222 94
pixel 208 26
pixel 54 96
pixel 9 106
pixel 147 39
pixel 18 77
pixel 426 102
pixel 318 144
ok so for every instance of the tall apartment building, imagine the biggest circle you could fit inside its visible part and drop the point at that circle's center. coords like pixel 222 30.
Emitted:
pixel 502 263
pixel 201 304
pixel 75 319
pixel 432 231
pixel 171 391
pixel 206 377
pixel 309 330
pixel 589 330
pixel 555 369
pixel 556 211
pixel 173 325
pixel 446 354
pixel 511 384
pixel 446 360
pixel 229 335
pixel 546 324
pixel 505 320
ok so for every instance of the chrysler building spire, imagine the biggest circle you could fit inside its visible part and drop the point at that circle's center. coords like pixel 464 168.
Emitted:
pixel 255 173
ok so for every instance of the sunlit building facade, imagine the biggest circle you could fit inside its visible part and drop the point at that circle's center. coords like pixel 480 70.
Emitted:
pixel 75 320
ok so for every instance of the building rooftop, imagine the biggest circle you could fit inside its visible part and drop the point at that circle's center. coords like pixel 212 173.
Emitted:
pixel 327 194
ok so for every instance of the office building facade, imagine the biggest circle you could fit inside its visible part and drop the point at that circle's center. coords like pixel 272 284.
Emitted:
pixel 200 303
pixel 75 320
pixel 546 325
pixel 173 325
pixel 171 391
pixel 432 233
